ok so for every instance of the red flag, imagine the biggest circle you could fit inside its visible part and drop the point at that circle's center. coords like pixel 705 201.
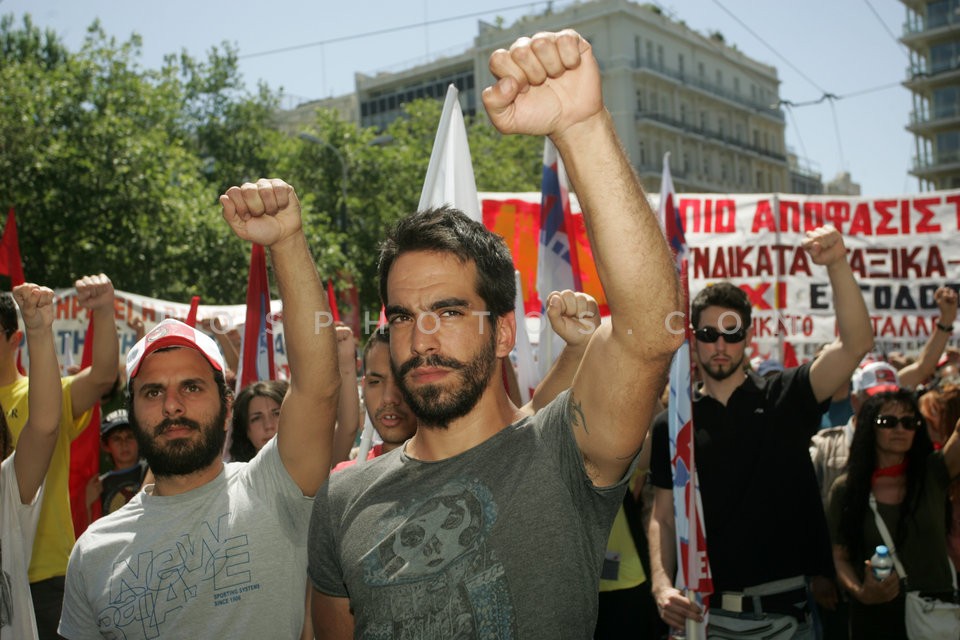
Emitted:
pixel 789 355
pixel 192 315
pixel 332 300
pixel 85 454
pixel 256 362
pixel 10 263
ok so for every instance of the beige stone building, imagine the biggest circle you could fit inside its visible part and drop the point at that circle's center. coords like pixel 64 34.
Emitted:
pixel 668 87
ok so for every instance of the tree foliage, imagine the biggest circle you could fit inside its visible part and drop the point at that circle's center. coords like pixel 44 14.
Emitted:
pixel 116 168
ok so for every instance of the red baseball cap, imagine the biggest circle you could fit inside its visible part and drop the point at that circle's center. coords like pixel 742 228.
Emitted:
pixel 173 333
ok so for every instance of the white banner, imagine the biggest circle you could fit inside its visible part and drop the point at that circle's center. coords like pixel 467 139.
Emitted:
pixel 901 248
pixel 71 321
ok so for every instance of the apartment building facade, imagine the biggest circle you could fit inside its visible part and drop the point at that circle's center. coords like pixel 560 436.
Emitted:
pixel 932 34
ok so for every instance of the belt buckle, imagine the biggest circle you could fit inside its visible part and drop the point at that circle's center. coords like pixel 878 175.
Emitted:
pixel 732 601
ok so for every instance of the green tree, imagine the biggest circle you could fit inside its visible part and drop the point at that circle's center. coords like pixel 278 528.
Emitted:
pixel 385 172
pixel 116 168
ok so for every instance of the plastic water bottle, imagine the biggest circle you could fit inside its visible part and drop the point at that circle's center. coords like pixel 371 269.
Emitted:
pixel 881 562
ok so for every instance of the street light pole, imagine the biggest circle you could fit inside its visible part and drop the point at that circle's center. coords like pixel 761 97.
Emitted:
pixel 309 137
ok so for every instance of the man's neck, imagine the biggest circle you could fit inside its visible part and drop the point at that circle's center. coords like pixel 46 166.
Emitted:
pixel 175 485
pixel 721 390
pixel 9 372
pixel 493 413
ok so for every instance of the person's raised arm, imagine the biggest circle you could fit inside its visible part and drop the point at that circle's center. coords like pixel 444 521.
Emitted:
pixel 855 335
pixel 348 407
pixel 95 293
pixel 550 85
pixel 913 374
pixel 268 213
pixel 39 436
pixel 574 316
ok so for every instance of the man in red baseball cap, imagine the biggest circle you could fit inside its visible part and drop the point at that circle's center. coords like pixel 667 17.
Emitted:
pixel 213 545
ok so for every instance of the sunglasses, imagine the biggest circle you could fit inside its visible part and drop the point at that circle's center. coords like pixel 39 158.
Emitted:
pixel 711 335
pixel 910 423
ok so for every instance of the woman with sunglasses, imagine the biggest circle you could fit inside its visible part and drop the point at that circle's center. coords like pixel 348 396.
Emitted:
pixel 892 460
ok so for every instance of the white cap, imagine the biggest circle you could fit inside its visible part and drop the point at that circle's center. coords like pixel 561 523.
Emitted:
pixel 875 377
pixel 173 333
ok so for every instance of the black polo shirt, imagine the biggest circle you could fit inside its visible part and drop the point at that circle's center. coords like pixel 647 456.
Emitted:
pixel 762 511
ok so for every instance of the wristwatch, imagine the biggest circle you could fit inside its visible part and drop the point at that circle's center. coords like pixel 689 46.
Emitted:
pixel 946 328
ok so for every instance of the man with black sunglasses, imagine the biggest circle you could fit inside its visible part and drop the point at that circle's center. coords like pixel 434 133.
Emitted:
pixel 765 527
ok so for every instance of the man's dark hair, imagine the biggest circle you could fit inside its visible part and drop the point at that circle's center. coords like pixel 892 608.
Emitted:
pixel 721 294
pixel 380 336
pixel 8 315
pixel 448 230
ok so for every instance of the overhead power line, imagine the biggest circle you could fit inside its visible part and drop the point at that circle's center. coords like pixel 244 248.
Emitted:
pixel 380 32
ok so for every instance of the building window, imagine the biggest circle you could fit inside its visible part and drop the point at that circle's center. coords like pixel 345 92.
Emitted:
pixel 680 64
pixel 736 86
pixel 719 78
pixel 643 154
pixel 946 101
pixel 700 70
pixel 649 53
pixel 660 56
pixel 636 51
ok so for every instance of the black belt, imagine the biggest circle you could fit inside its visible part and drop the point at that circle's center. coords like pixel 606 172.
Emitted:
pixel 793 603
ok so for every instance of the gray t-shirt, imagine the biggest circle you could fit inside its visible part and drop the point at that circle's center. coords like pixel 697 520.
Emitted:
pixel 228 556
pixel 505 540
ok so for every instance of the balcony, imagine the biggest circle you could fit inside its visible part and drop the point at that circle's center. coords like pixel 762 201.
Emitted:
pixel 710 88
pixel 924 123
pixel 920 77
pixel 932 28
pixel 711 136
pixel 941 163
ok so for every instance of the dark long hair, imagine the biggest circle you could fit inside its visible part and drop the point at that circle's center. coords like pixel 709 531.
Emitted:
pixel 863 462
pixel 6 437
pixel 241 449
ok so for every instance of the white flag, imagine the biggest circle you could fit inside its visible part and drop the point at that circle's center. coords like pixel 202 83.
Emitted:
pixel 449 177
pixel 528 377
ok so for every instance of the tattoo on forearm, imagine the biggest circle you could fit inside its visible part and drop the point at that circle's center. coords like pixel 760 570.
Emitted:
pixel 632 455
pixel 576 414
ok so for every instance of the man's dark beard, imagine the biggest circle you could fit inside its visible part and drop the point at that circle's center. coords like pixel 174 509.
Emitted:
pixel 436 406
pixel 719 375
pixel 183 456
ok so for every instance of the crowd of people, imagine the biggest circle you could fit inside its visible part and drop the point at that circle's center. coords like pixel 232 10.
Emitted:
pixel 244 513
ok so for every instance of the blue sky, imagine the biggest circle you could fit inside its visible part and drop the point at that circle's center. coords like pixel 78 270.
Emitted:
pixel 844 48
